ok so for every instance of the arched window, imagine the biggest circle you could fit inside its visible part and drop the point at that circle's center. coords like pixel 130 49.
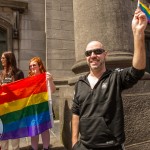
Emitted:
pixel 3 42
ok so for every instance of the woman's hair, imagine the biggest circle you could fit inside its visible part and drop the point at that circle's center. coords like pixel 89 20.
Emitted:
pixel 40 64
pixel 11 65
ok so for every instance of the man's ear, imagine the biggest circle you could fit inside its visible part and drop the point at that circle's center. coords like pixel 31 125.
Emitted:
pixel 106 53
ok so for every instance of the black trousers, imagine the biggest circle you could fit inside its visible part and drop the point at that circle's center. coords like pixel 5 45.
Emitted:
pixel 80 146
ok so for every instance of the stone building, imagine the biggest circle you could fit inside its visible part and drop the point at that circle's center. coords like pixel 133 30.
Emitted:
pixel 58 31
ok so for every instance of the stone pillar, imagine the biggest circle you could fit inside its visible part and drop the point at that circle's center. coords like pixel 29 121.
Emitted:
pixel 65 103
pixel 136 102
pixel 108 22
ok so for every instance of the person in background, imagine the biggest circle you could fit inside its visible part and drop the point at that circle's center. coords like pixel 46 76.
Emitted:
pixel 36 67
pixel 10 73
pixel 97 105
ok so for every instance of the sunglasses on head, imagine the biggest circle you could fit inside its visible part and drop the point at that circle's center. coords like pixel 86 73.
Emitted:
pixel 95 51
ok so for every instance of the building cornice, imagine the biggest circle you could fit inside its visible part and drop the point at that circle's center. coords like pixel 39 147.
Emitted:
pixel 15 5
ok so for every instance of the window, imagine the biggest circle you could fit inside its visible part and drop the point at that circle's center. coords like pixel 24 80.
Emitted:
pixel 3 42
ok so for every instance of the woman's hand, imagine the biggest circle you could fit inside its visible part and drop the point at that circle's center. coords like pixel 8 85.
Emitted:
pixel 49 78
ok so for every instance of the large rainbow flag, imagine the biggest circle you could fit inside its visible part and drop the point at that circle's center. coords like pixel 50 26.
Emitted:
pixel 145 9
pixel 24 108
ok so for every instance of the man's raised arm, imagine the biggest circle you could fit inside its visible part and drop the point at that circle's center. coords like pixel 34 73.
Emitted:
pixel 139 24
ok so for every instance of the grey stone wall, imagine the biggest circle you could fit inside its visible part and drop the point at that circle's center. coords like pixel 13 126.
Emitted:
pixel 32 33
pixel 60 38
pixel 137 120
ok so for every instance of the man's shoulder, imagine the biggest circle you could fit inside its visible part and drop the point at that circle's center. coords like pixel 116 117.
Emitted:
pixel 83 77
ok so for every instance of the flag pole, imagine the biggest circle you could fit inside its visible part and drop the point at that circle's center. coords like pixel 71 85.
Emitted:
pixel 50 103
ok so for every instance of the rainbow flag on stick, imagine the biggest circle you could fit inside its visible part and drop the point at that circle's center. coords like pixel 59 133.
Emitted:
pixel 24 108
pixel 145 9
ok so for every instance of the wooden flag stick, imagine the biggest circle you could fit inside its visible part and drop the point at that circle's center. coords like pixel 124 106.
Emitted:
pixel 138 4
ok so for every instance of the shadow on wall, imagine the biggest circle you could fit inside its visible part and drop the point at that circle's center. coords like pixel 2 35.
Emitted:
pixel 66 130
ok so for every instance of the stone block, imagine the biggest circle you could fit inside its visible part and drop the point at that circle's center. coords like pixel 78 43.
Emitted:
pixel 67 25
pixel 38 25
pixel 66 2
pixel 36 1
pixel 25 24
pixel 54 14
pixel 36 7
pixel 60 74
pixel 61 64
pixel 25 44
pixel 60 34
pixel 54 44
pixel 38 35
pixel 62 54
pixel 25 34
pixel 26 55
pixel 38 16
pixel 60 44
pixel 53 24
pixel 38 45
pixel 67 15
pixel 53 5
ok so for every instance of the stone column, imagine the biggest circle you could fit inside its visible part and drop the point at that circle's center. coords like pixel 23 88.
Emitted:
pixel 136 101
pixel 108 22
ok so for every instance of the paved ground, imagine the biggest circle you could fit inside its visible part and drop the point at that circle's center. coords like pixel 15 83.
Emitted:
pixel 56 144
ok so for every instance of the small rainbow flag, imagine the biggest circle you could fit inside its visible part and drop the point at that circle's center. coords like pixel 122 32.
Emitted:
pixel 145 9
pixel 24 108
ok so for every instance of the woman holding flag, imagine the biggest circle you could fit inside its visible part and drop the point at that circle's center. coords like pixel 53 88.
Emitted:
pixel 36 67
pixel 10 73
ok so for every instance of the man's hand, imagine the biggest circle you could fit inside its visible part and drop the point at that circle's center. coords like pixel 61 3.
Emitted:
pixel 139 21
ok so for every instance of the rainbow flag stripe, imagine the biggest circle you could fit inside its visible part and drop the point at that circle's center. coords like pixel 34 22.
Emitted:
pixel 146 10
pixel 24 108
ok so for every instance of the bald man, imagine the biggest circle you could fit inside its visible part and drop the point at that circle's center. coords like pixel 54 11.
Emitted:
pixel 97 105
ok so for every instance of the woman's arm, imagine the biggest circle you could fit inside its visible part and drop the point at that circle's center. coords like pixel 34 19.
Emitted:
pixel 49 77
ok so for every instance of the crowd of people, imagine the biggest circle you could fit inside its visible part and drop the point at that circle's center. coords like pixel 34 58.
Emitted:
pixel 97 109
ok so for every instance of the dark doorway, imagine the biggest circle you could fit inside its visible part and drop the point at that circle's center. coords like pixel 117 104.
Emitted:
pixel 3 42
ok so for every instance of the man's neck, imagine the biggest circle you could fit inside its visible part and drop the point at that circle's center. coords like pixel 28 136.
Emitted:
pixel 97 73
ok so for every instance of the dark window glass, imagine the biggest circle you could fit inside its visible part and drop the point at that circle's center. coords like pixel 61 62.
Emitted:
pixel 3 43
